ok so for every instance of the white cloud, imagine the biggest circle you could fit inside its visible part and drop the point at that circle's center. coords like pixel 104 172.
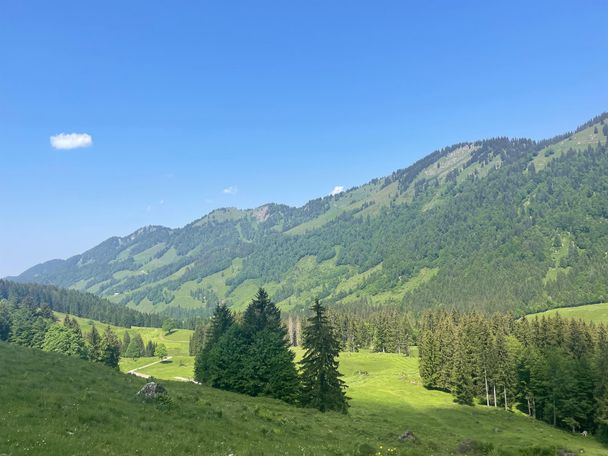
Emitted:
pixel 71 140
pixel 232 190
pixel 337 189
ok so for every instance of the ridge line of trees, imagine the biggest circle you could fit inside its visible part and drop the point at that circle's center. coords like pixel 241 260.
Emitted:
pixel 552 369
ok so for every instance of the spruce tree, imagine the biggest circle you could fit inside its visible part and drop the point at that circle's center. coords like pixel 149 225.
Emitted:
pixel 322 387
pixel 109 348
pixel 221 321
pixel 126 340
pixel 462 380
pixel 5 322
pixel 601 383
pixel 270 368
pixel 94 340
pixel 198 339
pixel 269 361
pixel 261 314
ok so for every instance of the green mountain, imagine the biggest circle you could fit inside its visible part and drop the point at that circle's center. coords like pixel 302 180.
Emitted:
pixel 509 224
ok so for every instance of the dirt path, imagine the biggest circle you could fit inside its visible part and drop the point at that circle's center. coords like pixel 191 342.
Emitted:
pixel 139 374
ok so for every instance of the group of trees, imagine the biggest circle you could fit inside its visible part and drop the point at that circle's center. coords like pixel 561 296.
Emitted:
pixel 363 326
pixel 379 329
pixel 553 369
pixel 76 303
pixel 252 356
pixel 30 325
pixel 134 347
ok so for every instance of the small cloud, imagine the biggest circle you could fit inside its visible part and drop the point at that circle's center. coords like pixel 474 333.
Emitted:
pixel 232 190
pixel 161 202
pixel 71 140
pixel 149 208
pixel 337 189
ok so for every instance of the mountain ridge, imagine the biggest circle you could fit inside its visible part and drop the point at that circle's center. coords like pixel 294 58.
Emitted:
pixel 336 247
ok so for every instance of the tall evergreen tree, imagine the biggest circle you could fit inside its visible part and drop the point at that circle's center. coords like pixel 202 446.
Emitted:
pixel 94 341
pixel 5 322
pixel 269 360
pixel 261 314
pixel 198 339
pixel 462 378
pixel 109 348
pixel 322 387
pixel 126 340
pixel 221 321
pixel 601 383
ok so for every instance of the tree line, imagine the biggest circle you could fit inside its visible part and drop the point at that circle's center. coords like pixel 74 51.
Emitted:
pixel 250 354
pixel 358 326
pixel 76 303
pixel 36 327
pixel 552 369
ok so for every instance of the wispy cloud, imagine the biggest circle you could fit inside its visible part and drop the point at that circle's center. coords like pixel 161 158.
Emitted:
pixel 232 190
pixel 337 189
pixel 71 140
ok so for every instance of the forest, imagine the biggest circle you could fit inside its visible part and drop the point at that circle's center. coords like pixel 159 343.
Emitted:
pixel 552 369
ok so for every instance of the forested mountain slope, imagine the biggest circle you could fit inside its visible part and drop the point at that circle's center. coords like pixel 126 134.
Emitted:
pixel 510 224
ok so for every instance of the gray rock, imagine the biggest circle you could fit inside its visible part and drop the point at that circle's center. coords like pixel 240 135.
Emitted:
pixel 407 436
pixel 152 391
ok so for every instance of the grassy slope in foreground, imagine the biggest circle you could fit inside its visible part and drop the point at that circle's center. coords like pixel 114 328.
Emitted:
pixel 597 313
pixel 52 404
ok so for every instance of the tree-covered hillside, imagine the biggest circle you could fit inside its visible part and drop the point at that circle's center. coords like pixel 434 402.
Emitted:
pixel 498 224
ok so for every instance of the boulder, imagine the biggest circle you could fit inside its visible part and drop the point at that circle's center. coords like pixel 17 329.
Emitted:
pixel 152 391
pixel 407 436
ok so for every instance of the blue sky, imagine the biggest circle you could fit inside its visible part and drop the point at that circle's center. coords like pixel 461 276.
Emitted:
pixel 275 101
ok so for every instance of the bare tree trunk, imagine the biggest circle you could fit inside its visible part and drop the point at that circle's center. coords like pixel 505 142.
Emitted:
pixel 298 332
pixel 534 407
pixel 291 332
pixel 506 404
pixel 485 376
pixel 529 408
pixel 494 387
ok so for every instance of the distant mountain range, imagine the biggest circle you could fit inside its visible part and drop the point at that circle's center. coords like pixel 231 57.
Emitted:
pixel 497 224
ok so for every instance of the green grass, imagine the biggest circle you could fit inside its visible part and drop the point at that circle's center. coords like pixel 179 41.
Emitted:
pixel 597 313
pixel 177 342
pixel 388 398
pixel 176 368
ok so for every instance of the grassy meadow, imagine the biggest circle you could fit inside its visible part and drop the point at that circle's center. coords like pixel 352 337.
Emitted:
pixel 177 342
pixel 95 412
pixel 597 313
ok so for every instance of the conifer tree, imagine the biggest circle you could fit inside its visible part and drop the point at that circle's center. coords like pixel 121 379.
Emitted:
pixel 5 322
pixel 601 383
pixel 269 360
pixel 126 340
pixel 462 380
pixel 136 348
pixel 198 339
pixel 221 321
pixel 270 368
pixel 94 340
pixel 261 314
pixel 150 348
pixel 109 348
pixel 322 387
